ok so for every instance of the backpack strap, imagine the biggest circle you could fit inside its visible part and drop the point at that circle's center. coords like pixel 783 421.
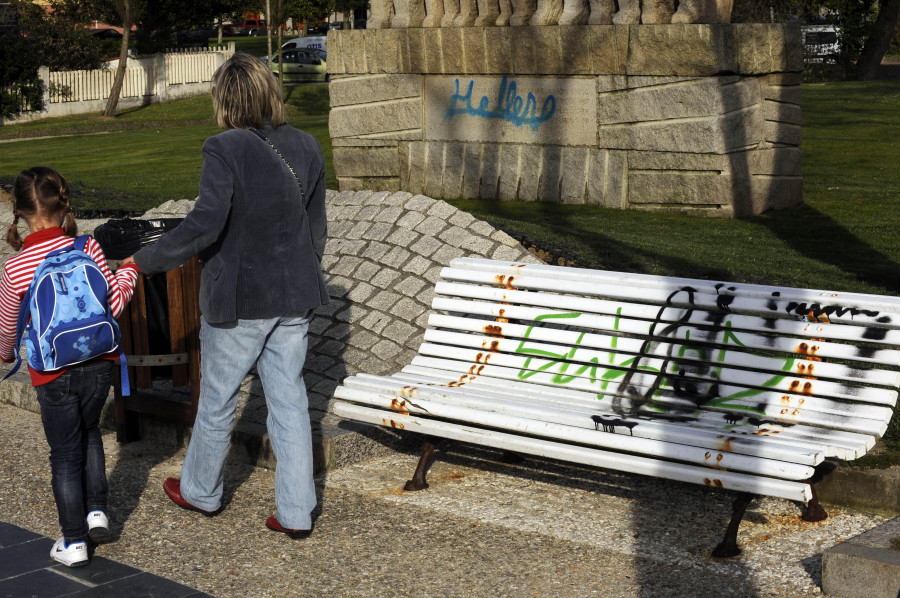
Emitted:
pixel 80 244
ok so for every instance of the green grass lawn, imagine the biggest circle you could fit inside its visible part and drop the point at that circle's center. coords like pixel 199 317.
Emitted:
pixel 845 236
pixel 144 156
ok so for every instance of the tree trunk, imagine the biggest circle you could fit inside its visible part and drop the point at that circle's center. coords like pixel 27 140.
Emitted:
pixel 269 29
pixel 879 40
pixel 280 65
pixel 116 90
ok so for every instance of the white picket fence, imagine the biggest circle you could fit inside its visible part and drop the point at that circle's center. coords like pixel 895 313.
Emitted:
pixel 148 79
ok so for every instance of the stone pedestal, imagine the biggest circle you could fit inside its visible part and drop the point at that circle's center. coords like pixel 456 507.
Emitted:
pixel 695 118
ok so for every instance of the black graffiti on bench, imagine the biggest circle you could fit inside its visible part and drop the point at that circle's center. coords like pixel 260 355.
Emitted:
pixel 609 423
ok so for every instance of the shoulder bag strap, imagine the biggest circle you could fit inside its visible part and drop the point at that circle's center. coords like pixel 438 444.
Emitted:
pixel 262 136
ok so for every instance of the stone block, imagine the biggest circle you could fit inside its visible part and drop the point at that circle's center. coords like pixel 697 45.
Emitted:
pixel 713 134
pixel 574 175
pixel 389 45
pixel 453 60
pixel 690 50
pixel 372 46
pixel 451 11
pixel 412 166
pixel 473 45
pixel 673 188
pixel 522 12
pixel 488 13
pixel 480 109
pixel 773 192
pixel 497 50
pixel 682 99
pixel 508 183
pixel 335 65
pixel 408 14
pixel 524 58
pixel 415 59
pixel 366 162
pixel 453 171
pixel 547 13
pixel 373 183
pixel 357 51
pixel 777 161
pixel 434 11
pixel 506 11
pixel 374 88
pixel 380 14
pixel 782 112
pixel 431 226
pixel 431 46
pixel 611 52
pixel 575 45
pixel 763 48
pixel 548 50
pixel 530 174
pixel 468 12
pixel 575 12
pixel 602 12
pixel 551 173
pixel 782 133
pixel 383 117
pixel 434 170
pixel 852 570
pixel 781 87
pixel 472 169
pixel 490 171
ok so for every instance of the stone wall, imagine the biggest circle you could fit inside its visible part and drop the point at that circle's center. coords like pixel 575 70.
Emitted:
pixel 696 118
pixel 384 254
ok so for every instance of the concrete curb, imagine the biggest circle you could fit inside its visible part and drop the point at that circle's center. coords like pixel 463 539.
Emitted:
pixel 864 565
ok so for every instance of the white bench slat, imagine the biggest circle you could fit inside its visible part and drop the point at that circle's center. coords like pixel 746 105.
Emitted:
pixel 496 420
pixel 838 443
pixel 730 366
pixel 621 325
pixel 875 303
pixel 784 415
pixel 586 456
pixel 694 316
pixel 728 396
pixel 414 394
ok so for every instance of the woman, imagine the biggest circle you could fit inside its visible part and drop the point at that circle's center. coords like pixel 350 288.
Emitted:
pixel 261 281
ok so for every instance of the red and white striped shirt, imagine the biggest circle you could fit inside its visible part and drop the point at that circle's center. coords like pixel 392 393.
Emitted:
pixel 18 271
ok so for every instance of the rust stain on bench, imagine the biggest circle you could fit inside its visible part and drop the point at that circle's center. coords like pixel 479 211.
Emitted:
pixel 399 406
pixel 393 424
pixel 505 282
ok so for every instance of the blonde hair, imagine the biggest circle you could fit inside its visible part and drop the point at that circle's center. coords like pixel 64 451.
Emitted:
pixel 40 191
pixel 246 93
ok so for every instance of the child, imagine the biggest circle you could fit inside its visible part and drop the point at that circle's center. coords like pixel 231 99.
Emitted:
pixel 70 398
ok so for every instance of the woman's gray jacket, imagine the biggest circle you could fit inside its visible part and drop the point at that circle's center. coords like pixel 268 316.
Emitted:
pixel 261 250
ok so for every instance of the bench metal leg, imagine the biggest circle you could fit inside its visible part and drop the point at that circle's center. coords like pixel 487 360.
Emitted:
pixel 728 546
pixel 814 510
pixel 418 481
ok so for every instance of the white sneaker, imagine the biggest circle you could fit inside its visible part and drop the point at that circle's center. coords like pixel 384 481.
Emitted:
pixel 98 526
pixel 73 555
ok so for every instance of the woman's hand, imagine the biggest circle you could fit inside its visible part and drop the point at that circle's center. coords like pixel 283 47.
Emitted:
pixel 128 260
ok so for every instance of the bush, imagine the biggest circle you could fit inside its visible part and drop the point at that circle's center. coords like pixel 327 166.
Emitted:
pixel 21 88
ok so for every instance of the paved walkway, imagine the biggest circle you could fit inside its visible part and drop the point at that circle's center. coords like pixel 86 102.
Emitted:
pixel 27 570
pixel 483 528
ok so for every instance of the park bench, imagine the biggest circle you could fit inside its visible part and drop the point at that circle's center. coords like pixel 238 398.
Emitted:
pixel 742 387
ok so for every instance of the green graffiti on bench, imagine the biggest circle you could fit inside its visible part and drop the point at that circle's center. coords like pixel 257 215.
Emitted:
pixel 602 375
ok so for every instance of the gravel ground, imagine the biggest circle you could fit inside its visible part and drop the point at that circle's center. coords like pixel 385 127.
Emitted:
pixel 484 528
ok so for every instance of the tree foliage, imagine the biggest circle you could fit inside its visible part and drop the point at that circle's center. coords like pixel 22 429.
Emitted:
pixel 20 84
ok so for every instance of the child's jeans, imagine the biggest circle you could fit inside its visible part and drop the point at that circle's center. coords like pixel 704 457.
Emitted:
pixel 70 410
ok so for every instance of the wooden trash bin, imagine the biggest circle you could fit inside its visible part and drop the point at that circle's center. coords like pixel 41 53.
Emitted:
pixel 154 390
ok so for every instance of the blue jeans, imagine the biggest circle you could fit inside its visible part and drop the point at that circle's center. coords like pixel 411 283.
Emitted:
pixel 229 350
pixel 70 411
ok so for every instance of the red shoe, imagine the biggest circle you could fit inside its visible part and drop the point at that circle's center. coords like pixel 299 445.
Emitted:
pixel 296 534
pixel 172 487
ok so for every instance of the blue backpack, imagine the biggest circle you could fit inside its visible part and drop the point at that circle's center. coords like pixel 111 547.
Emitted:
pixel 71 321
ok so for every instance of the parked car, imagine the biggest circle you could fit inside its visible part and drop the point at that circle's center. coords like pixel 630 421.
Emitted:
pixel 300 65
pixel 247 27
pixel 293 43
pixel 318 29
pixel 316 41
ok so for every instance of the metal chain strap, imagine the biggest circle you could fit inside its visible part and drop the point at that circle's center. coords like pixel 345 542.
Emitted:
pixel 262 136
